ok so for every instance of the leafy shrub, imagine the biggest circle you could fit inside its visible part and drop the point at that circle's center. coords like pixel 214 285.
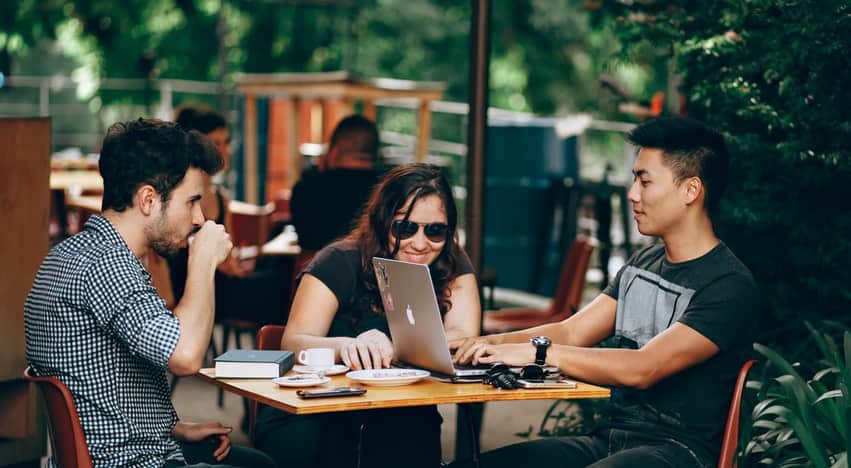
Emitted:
pixel 569 418
pixel 798 421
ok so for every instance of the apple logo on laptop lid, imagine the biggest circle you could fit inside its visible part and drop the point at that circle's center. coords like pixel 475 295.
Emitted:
pixel 410 313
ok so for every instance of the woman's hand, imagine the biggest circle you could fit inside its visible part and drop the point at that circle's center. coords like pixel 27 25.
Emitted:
pixel 370 350
pixel 197 432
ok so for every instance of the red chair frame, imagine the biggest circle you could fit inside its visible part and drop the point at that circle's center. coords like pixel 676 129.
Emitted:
pixel 730 442
pixel 268 338
pixel 66 431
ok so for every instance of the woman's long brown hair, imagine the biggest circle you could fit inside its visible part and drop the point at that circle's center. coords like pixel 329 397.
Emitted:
pixel 371 234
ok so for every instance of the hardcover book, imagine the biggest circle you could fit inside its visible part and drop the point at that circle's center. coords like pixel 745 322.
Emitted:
pixel 253 364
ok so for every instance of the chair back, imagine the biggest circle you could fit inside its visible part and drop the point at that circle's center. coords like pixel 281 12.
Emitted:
pixel 250 224
pixel 730 442
pixel 571 281
pixel 66 432
pixel 268 338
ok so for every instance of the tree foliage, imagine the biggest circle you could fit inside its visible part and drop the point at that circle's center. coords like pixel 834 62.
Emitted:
pixel 772 74
pixel 546 55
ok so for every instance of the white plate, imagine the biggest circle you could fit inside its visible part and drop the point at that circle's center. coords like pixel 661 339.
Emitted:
pixel 332 370
pixel 387 377
pixel 301 380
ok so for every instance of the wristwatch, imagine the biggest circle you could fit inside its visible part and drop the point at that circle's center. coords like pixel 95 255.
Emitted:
pixel 541 343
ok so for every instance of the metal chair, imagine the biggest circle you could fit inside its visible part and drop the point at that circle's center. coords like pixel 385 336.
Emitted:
pixel 268 338
pixel 66 432
pixel 730 442
pixel 565 302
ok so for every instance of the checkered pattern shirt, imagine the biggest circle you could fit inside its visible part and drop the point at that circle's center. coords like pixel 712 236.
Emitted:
pixel 94 320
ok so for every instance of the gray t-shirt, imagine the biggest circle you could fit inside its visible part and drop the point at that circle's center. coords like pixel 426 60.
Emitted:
pixel 716 296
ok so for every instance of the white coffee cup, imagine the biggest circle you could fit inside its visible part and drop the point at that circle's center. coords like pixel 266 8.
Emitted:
pixel 316 357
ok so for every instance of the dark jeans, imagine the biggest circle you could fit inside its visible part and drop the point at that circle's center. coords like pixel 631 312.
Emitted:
pixel 200 455
pixel 408 437
pixel 604 448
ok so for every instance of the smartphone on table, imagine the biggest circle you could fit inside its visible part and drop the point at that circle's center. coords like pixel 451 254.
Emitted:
pixel 331 392
pixel 543 383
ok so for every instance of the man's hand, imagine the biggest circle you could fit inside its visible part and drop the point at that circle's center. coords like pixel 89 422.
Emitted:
pixel 211 241
pixel 371 349
pixel 513 354
pixel 196 432
pixel 465 348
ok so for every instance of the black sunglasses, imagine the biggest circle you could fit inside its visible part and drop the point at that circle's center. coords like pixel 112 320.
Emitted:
pixel 529 372
pixel 501 376
pixel 404 229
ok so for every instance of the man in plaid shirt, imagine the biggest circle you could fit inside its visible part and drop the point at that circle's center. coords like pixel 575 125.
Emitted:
pixel 94 320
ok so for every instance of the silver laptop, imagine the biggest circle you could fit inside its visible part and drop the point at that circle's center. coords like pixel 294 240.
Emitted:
pixel 413 315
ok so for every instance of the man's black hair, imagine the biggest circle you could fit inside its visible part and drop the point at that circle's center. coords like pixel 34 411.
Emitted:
pixel 200 118
pixel 153 152
pixel 357 134
pixel 691 149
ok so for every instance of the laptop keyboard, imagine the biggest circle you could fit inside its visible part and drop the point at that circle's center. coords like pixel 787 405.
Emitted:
pixel 479 366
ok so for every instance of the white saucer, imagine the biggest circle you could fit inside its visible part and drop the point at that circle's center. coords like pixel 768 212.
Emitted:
pixel 388 377
pixel 301 380
pixel 332 370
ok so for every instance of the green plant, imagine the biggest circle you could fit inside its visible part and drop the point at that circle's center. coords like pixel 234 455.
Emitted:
pixel 568 418
pixel 798 421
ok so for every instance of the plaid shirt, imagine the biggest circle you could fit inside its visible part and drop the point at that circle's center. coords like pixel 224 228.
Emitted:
pixel 94 320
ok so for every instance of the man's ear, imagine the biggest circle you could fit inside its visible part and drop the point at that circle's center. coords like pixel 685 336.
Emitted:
pixel 692 189
pixel 146 199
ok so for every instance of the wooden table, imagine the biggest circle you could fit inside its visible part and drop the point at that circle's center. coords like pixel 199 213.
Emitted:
pixel 283 244
pixel 424 392
pixel 79 180
pixel 90 203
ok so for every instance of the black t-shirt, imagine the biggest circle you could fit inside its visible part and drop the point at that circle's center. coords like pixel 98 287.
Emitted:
pixel 716 296
pixel 325 204
pixel 338 266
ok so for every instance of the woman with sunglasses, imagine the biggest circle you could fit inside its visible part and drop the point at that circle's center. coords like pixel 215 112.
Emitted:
pixel 410 216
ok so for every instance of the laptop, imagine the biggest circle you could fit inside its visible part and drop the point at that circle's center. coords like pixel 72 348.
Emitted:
pixel 416 326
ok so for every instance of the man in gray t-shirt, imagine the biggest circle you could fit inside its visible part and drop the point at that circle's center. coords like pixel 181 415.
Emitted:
pixel 682 314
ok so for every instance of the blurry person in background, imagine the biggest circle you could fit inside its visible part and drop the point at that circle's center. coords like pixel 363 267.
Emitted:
pixel 327 201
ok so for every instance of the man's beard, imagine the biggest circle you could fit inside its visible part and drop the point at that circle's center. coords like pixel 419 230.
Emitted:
pixel 159 238
pixel 164 249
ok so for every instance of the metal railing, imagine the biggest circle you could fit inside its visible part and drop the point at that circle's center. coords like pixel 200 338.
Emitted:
pixel 79 123
pixel 16 99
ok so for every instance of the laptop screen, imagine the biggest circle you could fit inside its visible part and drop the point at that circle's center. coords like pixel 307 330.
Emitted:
pixel 413 314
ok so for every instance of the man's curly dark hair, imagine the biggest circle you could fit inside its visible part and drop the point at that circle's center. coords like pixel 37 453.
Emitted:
pixel 152 152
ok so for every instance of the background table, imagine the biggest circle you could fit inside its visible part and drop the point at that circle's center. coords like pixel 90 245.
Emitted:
pixel 284 244
pixel 79 180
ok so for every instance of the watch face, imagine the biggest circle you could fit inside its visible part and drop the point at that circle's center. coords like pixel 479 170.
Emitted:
pixel 541 341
